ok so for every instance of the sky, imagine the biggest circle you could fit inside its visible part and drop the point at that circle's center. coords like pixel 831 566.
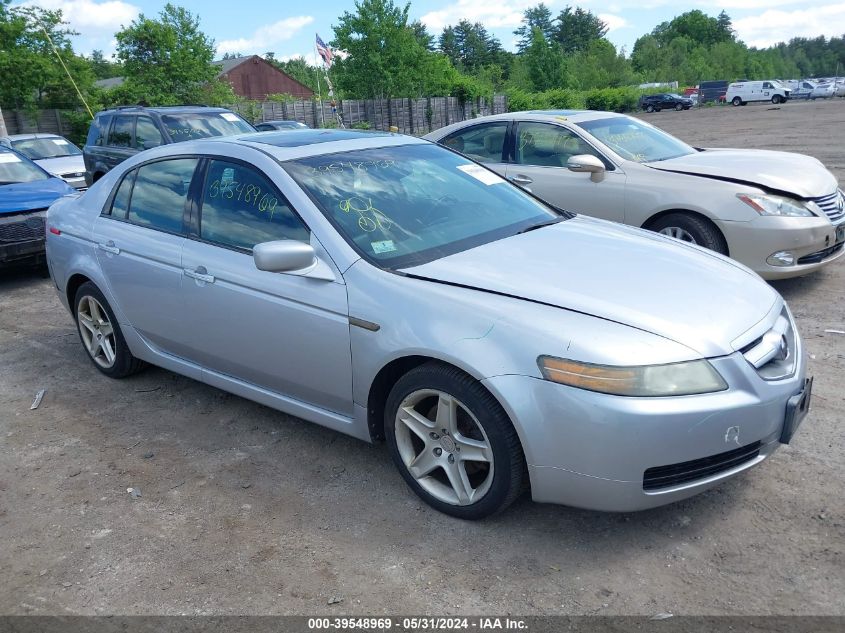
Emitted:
pixel 287 27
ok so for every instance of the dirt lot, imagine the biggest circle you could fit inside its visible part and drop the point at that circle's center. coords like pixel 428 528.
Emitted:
pixel 246 510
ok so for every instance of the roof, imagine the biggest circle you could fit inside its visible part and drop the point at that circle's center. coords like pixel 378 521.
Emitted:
pixel 111 82
pixel 226 65
pixel 31 135
pixel 298 138
pixel 167 109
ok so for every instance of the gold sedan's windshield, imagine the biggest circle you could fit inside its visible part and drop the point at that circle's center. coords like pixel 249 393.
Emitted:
pixel 636 141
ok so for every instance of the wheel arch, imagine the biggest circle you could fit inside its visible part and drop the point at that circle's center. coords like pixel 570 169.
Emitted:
pixel 653 219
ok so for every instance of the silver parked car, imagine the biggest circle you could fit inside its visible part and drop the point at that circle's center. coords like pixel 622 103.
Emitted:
pixel 780 214
pixel 54 153
pixel 386 287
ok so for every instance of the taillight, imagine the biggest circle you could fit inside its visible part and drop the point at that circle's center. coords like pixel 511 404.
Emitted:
pixel 55 231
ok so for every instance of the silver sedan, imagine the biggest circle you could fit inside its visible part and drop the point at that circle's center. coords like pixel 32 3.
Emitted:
pixel 391 289
pixel 780 214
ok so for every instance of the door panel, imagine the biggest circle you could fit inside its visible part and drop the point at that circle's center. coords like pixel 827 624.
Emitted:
pixel 139 248
pixel 282 332
pixel 542 151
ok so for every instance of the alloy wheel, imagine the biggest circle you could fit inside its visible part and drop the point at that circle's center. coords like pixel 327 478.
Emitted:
pixel 679 234
pixel 97 331
pixel 444 447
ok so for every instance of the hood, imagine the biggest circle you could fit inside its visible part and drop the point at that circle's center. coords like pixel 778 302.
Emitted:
pixel 776 171
pixel 63 164
pixel 28 196
pixel 637 278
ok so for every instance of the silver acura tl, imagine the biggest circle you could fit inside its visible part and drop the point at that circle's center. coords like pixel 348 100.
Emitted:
pixel 389 288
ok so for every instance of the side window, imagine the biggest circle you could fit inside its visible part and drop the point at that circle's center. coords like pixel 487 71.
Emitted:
pixel 242 208
pixel 147 135
pixel 120 203
pixel 98 130
pixel 482 142
pixel 160 192
pixel 767 85
pixel 121 131
pixel 548 145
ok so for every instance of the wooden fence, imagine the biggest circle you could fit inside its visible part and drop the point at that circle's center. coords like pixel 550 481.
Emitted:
pixel 410 116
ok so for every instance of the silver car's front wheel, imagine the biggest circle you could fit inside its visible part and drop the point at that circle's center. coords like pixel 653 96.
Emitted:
pixel 691 228
pixel 453 443
pixel 678 233
pixel 444 447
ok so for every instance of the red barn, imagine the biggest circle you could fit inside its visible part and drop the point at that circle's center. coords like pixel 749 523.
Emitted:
pixel 254 78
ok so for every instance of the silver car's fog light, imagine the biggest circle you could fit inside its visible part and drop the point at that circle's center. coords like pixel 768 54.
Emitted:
pixel 781 258
pixel 673 379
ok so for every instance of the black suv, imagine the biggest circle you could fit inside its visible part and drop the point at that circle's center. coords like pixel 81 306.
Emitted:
pixel 119 133
pixel 665 101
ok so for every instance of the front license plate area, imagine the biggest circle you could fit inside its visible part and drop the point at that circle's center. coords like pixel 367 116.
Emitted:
pixel 796 410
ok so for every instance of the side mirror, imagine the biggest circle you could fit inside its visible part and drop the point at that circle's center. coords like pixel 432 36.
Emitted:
pixel 587 163
pixel 284 256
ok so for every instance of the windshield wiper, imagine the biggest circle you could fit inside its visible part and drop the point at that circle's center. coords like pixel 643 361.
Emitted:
pixel 540 225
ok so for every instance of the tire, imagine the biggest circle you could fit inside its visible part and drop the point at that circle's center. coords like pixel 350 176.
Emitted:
pixel 475 422
pixel 679 106
pixel 90 306
pixel 649 108
pixel 776 99
pixel 736 101
pixel 693 229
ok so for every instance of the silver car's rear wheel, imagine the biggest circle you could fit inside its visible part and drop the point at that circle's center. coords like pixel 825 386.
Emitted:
pixel 452 442
pixel 444 447
pixel 96 331
pixel 100 334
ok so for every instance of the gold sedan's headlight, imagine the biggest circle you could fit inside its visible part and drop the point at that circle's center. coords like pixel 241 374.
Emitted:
pixel 673 379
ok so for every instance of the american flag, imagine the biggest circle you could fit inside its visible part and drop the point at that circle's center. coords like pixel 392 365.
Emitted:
pixel 324 51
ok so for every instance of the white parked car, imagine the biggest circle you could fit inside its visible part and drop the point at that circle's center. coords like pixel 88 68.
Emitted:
pixel 780 214
pixel 823 91
pixel 742 92
pixel 57 155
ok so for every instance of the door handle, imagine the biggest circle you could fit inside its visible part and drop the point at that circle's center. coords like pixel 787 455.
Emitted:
pixel 520 179
pixel 109 247
pixel 200 274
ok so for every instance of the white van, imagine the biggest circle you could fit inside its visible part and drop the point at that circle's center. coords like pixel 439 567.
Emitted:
pixel 742 92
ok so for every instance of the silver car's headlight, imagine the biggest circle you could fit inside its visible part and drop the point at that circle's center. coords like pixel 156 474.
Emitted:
pixel 673 379
pixel 766 204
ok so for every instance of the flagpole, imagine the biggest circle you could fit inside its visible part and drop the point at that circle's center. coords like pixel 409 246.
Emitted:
pixel 319 90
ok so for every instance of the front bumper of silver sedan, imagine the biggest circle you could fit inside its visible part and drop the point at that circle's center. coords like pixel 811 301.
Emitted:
pixel 811 243
pixel 621 454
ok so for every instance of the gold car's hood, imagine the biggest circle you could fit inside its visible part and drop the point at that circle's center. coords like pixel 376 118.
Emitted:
pixel 779 172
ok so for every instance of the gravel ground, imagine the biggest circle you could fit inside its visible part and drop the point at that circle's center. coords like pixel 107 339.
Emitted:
pixel 244 510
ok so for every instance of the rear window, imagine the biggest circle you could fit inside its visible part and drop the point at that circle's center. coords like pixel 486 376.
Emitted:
pixel 187 127
pixel 40 148
pixel 14 169
pixel 98 129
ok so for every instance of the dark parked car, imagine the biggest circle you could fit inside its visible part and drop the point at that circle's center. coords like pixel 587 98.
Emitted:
pixel 665 101
pixel 117 134
pixel 26 190
pixel 269 126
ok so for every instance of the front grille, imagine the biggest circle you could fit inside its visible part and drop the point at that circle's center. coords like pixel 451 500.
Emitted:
pixel 815 258
pixel 676 474
pixel 832 206
pixel 24 230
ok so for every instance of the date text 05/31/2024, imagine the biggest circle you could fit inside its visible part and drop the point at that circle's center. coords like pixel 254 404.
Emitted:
pixel 413 624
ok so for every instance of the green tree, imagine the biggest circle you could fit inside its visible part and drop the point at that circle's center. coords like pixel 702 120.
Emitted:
pixel 102 67
pixel 544 63
pixel 538 17
pixel 30 73
pixel 576 30
pixel 167 61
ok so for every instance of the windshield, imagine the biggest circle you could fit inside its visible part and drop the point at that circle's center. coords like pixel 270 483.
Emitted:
pixel 635 140
pixel 187 127
pixel 407 205
pixel 14 169
pixel 38 148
